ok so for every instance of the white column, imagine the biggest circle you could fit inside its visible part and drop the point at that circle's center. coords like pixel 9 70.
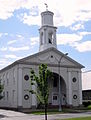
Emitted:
pixel 40 38
pixel 47 42
pixel 44 37
pixel 54 36
pixel 19 90
pixel 80 88
pixel 69 89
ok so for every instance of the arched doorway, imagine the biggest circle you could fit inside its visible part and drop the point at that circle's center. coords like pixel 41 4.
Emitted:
pixel 54 90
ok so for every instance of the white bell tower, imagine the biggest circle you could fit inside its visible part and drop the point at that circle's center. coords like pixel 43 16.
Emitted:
pixel 47 31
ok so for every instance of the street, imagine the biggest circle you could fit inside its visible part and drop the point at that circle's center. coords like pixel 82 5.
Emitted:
pixel 12 115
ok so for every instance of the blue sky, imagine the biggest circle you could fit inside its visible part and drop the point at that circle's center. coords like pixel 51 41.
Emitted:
pixel 20 21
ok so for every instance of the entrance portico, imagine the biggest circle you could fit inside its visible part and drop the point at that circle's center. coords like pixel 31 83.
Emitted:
pixel 54 90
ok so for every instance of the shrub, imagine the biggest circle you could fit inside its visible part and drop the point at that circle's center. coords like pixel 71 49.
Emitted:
pixel 89 107
pixel 87 103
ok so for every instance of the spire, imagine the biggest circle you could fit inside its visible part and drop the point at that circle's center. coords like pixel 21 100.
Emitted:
pixel 47 30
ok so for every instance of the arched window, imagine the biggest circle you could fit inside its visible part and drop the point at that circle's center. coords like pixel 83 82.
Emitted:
pixel 41 37
pixel 54 82
pixel 50 41
pixel 50 38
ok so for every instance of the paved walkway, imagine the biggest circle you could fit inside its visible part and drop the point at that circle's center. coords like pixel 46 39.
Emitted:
pixel 12 115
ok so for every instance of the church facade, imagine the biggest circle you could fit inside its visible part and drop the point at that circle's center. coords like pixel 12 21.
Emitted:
pixel 66 72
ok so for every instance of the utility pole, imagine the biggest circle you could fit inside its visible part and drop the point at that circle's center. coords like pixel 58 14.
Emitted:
pixel 59 62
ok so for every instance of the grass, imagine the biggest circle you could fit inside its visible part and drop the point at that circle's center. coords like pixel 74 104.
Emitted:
pixel 81 118
pixel 55 111
pixel 52 111
pixel 89 107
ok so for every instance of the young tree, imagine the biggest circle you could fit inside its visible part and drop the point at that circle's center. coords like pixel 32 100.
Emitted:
pixel 41 83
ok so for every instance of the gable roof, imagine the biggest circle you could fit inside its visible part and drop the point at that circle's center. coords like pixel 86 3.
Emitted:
pixel 24 60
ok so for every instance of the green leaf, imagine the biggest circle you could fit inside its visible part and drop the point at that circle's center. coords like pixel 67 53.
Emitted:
pixel 32 83
pixel 32 92
pixel 32 71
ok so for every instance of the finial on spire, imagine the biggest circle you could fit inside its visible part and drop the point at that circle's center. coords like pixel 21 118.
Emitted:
pixel 46 6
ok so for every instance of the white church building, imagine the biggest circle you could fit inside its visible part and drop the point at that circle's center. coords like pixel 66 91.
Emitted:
pixel 67 81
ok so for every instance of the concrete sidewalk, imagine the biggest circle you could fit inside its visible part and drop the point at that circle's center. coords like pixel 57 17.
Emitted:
pixel 12 115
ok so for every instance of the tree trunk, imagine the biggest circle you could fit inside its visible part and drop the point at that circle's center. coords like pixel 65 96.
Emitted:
pixel 45 111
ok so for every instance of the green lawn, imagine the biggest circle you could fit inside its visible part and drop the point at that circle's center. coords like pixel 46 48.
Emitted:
pixel 81 118
pixel 55 111
pixel 49 112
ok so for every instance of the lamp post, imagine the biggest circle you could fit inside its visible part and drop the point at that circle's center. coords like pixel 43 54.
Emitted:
pixel 59 62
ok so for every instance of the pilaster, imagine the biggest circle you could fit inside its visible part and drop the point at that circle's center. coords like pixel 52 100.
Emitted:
pixel 69 89
pixel 80 88
pixel 20 87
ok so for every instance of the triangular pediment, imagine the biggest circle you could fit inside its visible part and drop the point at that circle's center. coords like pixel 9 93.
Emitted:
pixel 51 56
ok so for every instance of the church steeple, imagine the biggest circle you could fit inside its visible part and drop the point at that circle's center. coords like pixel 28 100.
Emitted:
pixel 47 31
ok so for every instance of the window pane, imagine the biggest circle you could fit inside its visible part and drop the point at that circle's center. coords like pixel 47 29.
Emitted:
pixel 54 97
pixel 54 83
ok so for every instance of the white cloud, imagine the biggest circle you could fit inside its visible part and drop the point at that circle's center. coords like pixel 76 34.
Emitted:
pixel 72 11
pixel 3 49
pixel 85 33
pixel 68 38
pixel 34 40
pixel 84 46
pixel 6 61
pixel 20 36
pixel 3 63
pixel 77 27
pixel 0 34
pixel 66 12
pixel 7 7
pixel 11 56
pixel 19 48
pixel 75 41
pixel 3 34
pixel 31 20
pixel 83 16
pixel 11 42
